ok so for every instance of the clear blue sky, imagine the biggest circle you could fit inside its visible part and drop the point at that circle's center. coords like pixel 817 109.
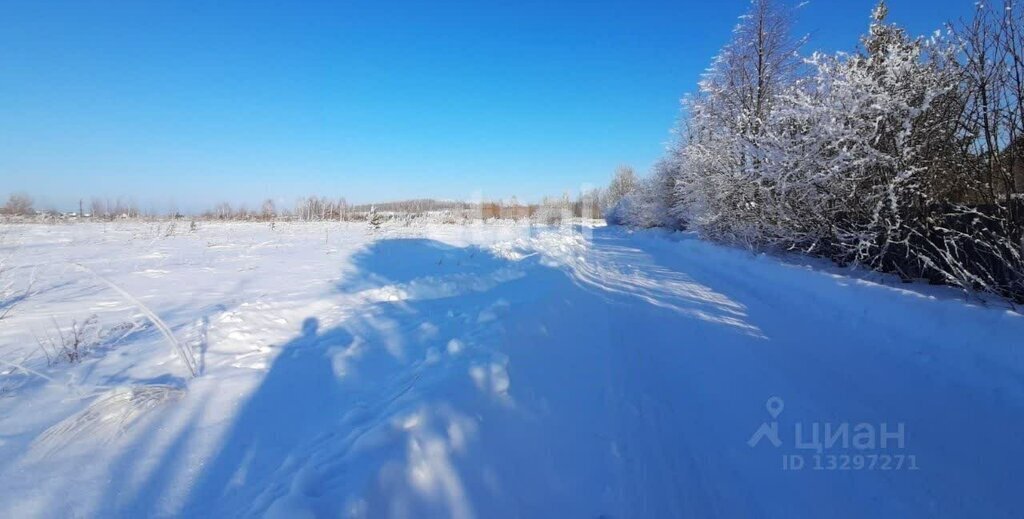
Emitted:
pixel 189 103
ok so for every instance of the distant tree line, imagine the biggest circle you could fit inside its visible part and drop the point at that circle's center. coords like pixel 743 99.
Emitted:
pixel 313 208
pixel 905 155
pixel 589 204
pixel 22 205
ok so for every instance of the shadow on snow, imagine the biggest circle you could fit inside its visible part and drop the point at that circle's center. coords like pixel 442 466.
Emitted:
pixel 411 406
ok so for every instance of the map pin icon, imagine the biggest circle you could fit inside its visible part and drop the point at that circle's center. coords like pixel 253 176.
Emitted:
pixel 774 406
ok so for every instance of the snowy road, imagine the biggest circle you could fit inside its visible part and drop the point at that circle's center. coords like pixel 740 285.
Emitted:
pixel 511 372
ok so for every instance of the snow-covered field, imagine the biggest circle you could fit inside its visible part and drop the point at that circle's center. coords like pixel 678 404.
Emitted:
pixel 489 371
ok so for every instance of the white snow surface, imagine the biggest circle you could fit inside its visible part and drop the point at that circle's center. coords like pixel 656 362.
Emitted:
pixel 489 371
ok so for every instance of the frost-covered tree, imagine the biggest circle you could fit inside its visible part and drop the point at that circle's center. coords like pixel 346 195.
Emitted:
pixel 723 181
pixel 589 203
pixel 342 209
pixel 268 210
pixel 223 211
pixel 992 57
pixel 981 241
pixel 650 203
pixel 621 185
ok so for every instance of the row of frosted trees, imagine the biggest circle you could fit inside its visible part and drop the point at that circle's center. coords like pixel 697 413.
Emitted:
pixel 310 208
pixel 906 155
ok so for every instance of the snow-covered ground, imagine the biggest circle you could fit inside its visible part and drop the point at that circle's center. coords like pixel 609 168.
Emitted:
pixel 490 371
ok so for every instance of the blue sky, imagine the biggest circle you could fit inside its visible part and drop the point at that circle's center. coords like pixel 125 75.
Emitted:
pixel 185 104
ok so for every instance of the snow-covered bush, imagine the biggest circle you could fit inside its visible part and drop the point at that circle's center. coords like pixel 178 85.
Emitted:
pixel 874 168
pixel 649 203
pixel 70 344
pixel 889 157
pixel 73 343
pixel 860 149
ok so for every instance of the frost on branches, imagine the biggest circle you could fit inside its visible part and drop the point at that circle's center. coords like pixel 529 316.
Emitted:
pixel 649 201
pixel 902 156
